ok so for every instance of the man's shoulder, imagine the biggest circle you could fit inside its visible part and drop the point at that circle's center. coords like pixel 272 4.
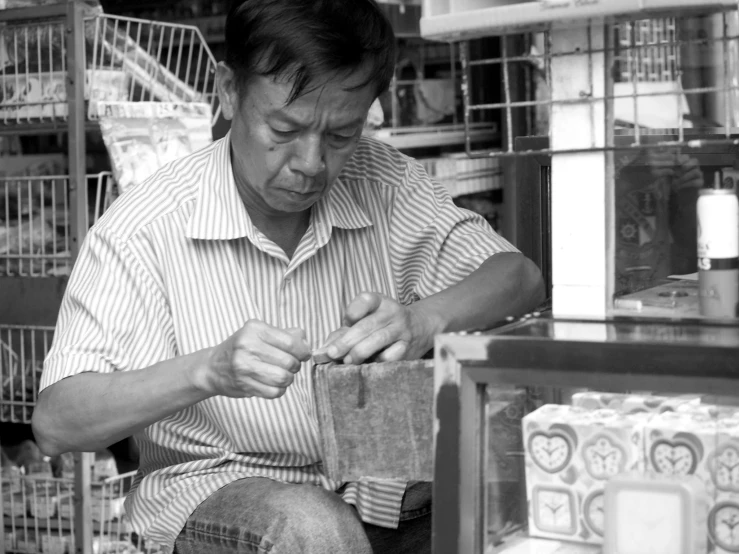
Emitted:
pixel 376 162
pixel 169 190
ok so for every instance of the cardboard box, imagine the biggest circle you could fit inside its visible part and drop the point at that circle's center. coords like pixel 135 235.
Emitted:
pixel 633 403
pixel 570 453
pixel 704 444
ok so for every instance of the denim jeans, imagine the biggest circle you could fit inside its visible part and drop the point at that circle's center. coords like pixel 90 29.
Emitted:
pixel 259 516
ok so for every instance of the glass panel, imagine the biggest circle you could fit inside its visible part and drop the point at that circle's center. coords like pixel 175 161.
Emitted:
pixel 571 470
pixel 626 332
pixel 676 220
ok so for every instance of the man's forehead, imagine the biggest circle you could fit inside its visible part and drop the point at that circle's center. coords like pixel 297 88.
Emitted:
pixel 344 103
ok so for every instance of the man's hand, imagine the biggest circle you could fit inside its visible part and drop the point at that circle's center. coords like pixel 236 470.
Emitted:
pixel 376 324
pixel 682 170
pixel 257 360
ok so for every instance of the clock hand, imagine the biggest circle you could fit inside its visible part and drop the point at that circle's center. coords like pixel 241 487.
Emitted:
pixel 601 456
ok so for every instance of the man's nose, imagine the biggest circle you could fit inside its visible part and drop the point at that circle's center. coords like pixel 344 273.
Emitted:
pixel 310 155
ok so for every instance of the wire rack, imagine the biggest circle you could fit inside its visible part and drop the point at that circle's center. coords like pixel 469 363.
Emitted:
pixel 126 60
pixel 22 352
pixel 34 222
pixel 39 515
pixel 422 107
pixel 672 76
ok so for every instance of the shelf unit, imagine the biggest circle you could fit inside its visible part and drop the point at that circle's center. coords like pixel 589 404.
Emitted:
pixel 59 63
pixel 601 115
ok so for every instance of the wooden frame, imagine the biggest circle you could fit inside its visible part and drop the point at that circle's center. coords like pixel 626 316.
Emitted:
pixel 671 357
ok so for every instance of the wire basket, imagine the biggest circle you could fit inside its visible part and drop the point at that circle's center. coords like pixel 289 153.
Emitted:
pixel 22 352
pixel 423 106
pixel 34 222
pixel 631 79
pixel 126 60
pixel 39 515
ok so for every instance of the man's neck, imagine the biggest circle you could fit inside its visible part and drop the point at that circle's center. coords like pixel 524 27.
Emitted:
pixel 286 232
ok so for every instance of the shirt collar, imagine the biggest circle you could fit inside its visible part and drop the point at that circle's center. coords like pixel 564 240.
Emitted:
pixel 219 212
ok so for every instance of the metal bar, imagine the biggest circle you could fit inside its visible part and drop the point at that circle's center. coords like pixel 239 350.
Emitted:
pixel 75 54
pixel 76 121
pixel 581 100
pixel 57 10
pixel 634 82
pixel 690 144
pixel 548 79
pixel 464 55
pixel 591 93
pixel 529 57
pixel 507 94
pixel 453 72
pixel 727 76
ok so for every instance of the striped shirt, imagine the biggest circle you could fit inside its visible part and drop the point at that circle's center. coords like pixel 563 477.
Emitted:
pixel 176 266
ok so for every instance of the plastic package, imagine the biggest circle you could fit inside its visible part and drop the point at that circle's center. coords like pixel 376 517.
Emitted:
pixel 142 137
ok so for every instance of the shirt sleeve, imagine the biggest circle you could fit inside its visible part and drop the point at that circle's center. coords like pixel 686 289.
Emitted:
pixel 113 315
pixel 435 243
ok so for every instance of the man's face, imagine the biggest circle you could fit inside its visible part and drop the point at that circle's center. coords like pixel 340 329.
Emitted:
pixel 286 156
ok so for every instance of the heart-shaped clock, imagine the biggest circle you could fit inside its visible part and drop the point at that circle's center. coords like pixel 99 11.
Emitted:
pixel 551 450
pixel 676 456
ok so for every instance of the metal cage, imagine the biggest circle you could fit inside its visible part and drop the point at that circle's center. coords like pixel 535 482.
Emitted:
pixel 39 514
pixel 22 351
pixel 125 60
pixel 34 222
pixel 674 76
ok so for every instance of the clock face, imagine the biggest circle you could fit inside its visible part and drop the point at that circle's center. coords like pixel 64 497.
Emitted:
pixel 724 467
pixel 554 510
pixel 594 511
pixel 673 457
pixel 648 521
pixel 723 526
pixel 603 456
pixel 550 451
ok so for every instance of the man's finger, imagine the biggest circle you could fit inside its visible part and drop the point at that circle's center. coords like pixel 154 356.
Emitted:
pixel 359 308
pixel 359 332
pixel 320 356
pixel 394 352
pixel 290 340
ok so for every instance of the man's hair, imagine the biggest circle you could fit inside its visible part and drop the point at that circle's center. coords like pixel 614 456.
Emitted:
pixel 305 40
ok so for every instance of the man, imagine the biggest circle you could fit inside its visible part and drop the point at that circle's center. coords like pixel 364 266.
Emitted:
pixel 198 299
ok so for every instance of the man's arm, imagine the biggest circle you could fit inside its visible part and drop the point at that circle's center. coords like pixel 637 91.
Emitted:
pixel 90 411
pixel 506 284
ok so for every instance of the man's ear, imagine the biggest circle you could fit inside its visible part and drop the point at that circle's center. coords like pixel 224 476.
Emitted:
pixel 227 90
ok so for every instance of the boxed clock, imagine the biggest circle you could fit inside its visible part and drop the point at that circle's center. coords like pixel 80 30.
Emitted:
pixel 632 403
pixel 655 513
pixel 705 445
pixel 570 453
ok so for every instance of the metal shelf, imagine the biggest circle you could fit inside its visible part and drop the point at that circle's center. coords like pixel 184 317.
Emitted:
pixel 543 14
pixel 65 525
pixel 441 135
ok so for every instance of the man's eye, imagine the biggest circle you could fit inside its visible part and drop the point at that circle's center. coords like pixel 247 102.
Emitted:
pixel 284 133
pixel 341 139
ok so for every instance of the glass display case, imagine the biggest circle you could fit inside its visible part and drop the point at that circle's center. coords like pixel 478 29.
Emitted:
pixel 609 425
pixel 613 436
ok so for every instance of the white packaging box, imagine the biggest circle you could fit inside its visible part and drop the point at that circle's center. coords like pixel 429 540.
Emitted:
pixel 570 453
pixel 704 444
